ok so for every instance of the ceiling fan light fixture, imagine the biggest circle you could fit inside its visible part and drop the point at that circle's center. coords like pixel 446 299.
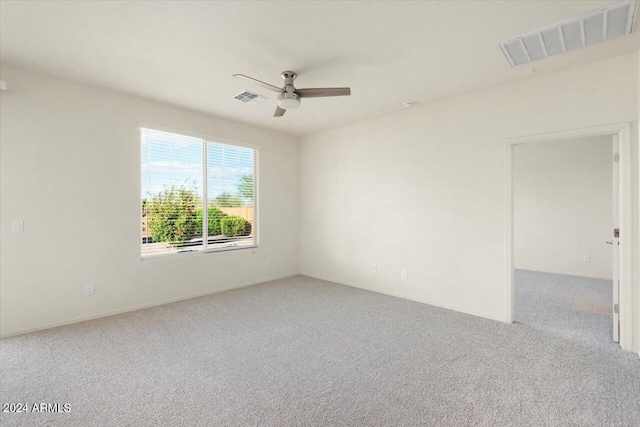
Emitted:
pixel 288 101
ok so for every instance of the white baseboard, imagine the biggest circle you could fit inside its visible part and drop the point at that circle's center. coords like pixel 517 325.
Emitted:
pixel 139 307
pixel 563 273
pixel 398 295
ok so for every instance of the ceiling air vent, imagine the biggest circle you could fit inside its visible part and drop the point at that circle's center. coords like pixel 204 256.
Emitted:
pixel 592 27
pixel 250 97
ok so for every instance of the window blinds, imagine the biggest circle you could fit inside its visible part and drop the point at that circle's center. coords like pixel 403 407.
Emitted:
pixel 197 195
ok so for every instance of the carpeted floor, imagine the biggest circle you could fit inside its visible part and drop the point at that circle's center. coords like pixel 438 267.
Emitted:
pixel 303 352
pixel 576 308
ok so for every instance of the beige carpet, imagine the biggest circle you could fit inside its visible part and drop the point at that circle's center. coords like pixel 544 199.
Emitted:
pixel 302 352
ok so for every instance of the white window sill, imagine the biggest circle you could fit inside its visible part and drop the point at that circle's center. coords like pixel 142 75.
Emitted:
pixel 192 253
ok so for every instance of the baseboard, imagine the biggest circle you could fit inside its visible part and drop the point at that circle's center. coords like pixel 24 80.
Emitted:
pixel 564 273
pixel 140 307
pixel 398 295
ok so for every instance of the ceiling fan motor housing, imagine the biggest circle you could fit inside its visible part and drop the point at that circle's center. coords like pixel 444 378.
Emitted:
pixel 288 100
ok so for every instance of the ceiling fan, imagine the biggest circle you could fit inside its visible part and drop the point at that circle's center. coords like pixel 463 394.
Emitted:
pixel 289 97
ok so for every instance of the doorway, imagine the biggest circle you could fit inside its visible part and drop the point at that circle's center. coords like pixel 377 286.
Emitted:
pixel 570 269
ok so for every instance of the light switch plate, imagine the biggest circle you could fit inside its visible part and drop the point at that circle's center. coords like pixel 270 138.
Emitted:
pixel 404 274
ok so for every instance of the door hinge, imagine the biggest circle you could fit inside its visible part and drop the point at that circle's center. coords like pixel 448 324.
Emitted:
pixel 616 232
pixel 616 308
pixel 616 157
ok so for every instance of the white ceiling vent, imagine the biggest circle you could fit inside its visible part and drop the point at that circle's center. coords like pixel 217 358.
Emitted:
pixel 592 27
pixel 250 97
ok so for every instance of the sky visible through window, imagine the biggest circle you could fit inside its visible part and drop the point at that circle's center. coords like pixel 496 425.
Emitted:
pixel 170 159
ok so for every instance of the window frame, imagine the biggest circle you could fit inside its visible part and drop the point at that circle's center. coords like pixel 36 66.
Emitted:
pixel 213 139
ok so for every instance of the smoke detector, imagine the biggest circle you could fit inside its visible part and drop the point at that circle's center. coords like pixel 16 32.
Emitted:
pixel 593 27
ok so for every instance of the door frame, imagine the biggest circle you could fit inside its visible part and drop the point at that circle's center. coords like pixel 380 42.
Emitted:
pixel 615 248
pixel 625 213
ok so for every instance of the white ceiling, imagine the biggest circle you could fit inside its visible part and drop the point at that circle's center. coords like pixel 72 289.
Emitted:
pixel 185 53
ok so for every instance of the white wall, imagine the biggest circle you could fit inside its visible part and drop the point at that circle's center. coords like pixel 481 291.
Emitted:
pixel 636 221
pixel 425 189
pixel 70 169
pixel 563 208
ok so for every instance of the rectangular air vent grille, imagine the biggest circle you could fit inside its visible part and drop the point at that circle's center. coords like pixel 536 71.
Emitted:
pixel 250 97
pixel 592 27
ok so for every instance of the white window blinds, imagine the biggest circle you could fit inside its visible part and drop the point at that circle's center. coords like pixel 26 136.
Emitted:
pixel 197 195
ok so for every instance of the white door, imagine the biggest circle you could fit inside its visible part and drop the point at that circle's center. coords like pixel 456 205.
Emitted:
pixel 615 244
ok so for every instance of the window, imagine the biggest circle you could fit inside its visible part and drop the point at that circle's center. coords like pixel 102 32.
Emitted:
pixel 197 195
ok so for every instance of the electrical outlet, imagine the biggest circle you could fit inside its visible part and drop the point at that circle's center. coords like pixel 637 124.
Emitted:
pixel 17 226
pixel 404 274
pixel 586 258
pixel 89 289
pixel 267 261
pixel 374 268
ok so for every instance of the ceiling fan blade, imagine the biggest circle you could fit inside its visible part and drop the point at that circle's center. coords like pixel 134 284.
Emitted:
pixel 279 112
pixel 323 91
pixel 259 82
